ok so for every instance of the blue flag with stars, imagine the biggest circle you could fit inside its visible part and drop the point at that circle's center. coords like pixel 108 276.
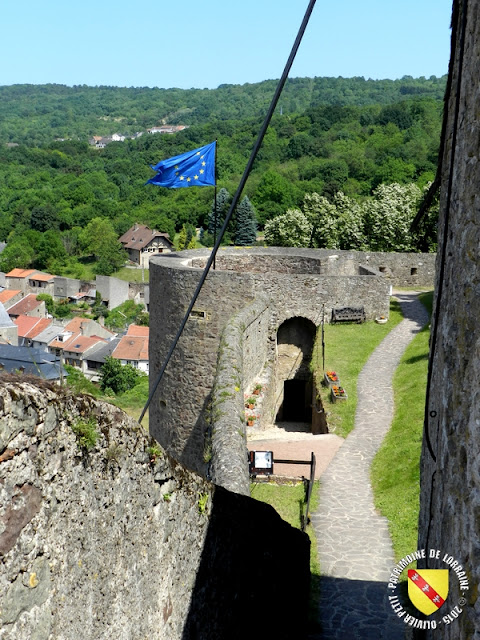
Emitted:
pixel 191 169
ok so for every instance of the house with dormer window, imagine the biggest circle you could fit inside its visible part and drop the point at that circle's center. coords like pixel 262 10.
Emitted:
pixel 141 243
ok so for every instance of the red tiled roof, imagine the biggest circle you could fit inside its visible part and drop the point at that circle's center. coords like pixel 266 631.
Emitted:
pixel 56 344
pixel 43 277
pixel 131 348
pixel 29 327
pixel 8 294
pixel 25 305
pixel 25 324
pixel 20 273
pixel 75 324
pixel 139 331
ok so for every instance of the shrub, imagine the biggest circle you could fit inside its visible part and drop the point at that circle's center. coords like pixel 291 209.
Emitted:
pixel 118 377
pixel 86 432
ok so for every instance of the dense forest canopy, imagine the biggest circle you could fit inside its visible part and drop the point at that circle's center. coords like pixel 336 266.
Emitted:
pixel 328 136
pixel 34 114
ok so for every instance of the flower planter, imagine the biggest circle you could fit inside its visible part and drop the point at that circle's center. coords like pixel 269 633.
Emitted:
pixel 381 320
pixel 327 380
pixel 338 394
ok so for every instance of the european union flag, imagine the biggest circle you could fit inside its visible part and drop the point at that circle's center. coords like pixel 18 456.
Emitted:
pixel 192 169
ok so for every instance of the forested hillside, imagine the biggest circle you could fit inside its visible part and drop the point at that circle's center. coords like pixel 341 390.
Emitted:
pixel 63 200
pixel 35 114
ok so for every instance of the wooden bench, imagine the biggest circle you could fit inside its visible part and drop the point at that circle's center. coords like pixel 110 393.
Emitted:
pixel 349 314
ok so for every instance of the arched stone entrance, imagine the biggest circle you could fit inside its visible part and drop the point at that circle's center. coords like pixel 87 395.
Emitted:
pixel 295 340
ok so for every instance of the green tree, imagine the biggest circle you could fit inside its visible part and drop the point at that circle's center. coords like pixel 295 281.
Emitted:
pixel 49 303
pixel 323 219
pixel 388 216
pixel 217 214
pixel 17 254
pixel 127 313
pixel 350 223
pixel 49 249
pixel 118 377
pixel 79 382
pixel 186 238
pixel 99 238
pixel 292 229
pixel 274 194
pixel 43 218
pixel 245 223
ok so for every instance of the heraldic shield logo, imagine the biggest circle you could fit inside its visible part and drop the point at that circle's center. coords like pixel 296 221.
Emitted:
pixel 428 589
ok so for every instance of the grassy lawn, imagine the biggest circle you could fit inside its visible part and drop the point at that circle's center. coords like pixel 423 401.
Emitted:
pixel 133 401
pixel 131 275
pixel 395 469
pixel 347 349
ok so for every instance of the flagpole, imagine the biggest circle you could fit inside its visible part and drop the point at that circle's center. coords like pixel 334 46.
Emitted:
pixel 215 203
pixel 236 197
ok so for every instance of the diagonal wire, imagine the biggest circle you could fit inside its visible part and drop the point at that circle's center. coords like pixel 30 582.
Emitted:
pixel 236 197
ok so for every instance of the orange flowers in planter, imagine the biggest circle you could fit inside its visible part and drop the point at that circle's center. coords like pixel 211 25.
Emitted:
pixel 338 390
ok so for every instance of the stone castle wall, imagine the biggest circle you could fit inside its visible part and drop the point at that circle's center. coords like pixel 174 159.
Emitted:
pixel 450 464
pixel 122 542
pixel 241 358
pixel 178 410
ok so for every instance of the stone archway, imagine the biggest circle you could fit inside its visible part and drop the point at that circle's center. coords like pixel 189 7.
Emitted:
pixel 295 340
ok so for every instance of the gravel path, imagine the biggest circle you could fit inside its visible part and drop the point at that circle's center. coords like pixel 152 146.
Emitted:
pixel 353 540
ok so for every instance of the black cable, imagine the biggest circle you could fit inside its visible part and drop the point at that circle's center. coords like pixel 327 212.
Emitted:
pixel 236 197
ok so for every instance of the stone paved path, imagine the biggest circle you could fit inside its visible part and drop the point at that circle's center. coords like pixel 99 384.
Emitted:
pixel 353 540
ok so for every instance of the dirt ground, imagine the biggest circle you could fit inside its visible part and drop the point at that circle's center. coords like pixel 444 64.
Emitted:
pixel 293 441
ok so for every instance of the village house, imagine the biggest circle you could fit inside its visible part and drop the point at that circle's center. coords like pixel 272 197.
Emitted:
pixel 77 339
pixel 96 356
pixel 18 278
pixel 133 348
pixel 8 297
pixel 30 281
pixel 42 339
pixel 41 283
pixel 142 243
pixel 28 306
pixel 29 327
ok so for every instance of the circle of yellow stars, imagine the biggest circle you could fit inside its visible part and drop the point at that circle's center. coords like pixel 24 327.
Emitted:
pixel 195 177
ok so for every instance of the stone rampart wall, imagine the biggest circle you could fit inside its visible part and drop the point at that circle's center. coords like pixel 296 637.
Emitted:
pixel 401 269
pixel 122 542
pixel 177 413
pixel 241 357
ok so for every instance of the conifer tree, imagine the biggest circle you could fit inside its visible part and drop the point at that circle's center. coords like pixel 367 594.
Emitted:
pixel 245 223
pixel 223 202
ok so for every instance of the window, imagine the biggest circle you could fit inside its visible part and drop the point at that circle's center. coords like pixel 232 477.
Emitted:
pixel 196 313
